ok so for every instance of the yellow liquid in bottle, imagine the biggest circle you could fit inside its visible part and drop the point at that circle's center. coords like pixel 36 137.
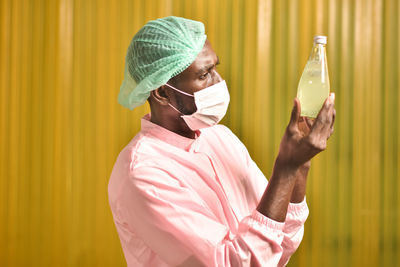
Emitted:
pixel 313 88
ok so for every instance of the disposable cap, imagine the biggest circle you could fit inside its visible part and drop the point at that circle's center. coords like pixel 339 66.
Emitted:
pixel 160 50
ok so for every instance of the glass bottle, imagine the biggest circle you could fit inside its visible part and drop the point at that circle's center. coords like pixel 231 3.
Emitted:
pixel 314 86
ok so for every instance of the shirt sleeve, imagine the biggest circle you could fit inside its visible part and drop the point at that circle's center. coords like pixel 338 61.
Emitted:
pixel 296 216
pixel 293 230
pixel 297 213
pixel 177 225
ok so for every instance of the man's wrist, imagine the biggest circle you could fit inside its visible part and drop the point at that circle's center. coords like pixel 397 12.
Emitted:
pixel 299 189
pixel 285 171
pixel 287 168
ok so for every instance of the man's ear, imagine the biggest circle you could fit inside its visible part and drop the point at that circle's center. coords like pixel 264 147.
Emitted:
pixel 160 95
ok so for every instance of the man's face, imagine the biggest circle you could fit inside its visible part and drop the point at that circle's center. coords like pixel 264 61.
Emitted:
pixel 200 74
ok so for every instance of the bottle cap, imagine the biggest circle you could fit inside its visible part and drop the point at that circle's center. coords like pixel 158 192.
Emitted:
pixel 320 39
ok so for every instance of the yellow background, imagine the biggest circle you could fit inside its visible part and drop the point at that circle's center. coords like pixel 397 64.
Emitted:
pixel 61 128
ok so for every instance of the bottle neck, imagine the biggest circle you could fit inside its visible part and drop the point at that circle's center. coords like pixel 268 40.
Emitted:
pixel 317 52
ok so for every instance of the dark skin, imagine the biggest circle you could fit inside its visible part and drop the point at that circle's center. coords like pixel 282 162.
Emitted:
pixel 200 74
pixel 303 138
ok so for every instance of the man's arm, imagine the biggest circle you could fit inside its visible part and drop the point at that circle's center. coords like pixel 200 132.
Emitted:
pixel 288 180
pixel 299 190
pixel 276 198
pixel 296 216
pixel 174 222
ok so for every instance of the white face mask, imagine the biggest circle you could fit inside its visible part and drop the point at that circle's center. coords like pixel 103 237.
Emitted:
pixel 211 102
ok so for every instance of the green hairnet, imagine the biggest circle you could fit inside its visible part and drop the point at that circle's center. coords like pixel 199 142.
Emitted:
pixel 162 49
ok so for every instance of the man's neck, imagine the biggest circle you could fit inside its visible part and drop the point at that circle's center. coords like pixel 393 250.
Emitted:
pixel 173 124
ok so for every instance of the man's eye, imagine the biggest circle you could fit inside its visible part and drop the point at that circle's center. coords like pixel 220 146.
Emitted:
pixel 202 77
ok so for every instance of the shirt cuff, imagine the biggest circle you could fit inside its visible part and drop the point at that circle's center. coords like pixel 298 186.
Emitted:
pixel 298 209
pixel 262 227
pixel 296 216
pixel 271 224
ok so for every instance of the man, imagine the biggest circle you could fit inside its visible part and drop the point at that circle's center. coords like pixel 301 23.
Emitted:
pixel 184 191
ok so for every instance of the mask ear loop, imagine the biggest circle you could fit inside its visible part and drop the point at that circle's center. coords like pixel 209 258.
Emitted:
pixel 169 104
pixel 170 86
pixel 179 91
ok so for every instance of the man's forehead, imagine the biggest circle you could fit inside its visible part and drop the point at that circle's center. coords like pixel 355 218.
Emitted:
pixel 205 58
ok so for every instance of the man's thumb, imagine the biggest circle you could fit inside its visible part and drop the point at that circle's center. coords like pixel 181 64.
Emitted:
pixel 294 118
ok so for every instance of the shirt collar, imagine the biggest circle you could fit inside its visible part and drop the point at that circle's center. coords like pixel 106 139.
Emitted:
pixel 149 128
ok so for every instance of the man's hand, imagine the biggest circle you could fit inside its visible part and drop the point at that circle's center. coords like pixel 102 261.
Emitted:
pixel 303 139
pixel 299 145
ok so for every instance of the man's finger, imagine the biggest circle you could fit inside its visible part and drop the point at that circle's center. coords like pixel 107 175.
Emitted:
pixel 309 122
pixel 333 118
pixel 331 115
pixel 323 124
pixel 332 96
pixel 319 122
pixel 294 118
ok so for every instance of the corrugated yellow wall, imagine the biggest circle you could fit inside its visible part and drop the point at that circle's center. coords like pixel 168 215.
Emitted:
pixel 61 128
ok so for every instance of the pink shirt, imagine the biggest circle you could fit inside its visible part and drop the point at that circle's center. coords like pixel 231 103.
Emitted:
pixel 192 202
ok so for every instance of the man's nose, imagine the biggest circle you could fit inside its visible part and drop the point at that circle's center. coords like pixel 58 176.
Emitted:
pixel 217 78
